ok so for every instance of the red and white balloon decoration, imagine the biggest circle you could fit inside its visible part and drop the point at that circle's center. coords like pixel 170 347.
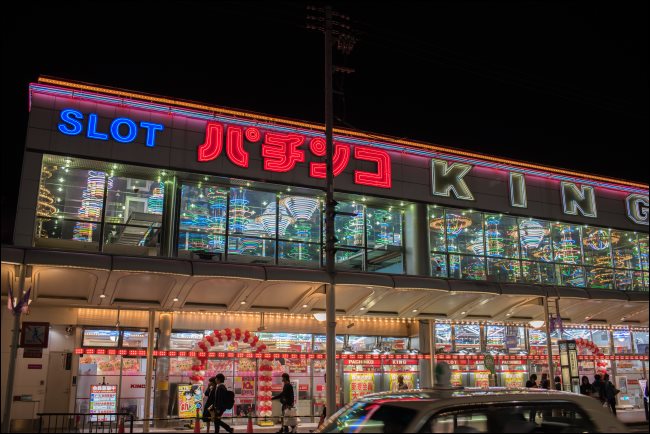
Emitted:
pixel 197 371
pixel 601 364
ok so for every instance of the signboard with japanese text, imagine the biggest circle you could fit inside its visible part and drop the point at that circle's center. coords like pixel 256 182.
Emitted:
pixel 226 143
pixel 103 399
pixel 361 384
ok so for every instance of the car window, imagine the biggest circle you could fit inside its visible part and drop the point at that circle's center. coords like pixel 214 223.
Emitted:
pixel 371 417
pixel 538 417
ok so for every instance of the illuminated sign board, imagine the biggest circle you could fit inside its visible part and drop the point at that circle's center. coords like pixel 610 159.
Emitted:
pixel 225 142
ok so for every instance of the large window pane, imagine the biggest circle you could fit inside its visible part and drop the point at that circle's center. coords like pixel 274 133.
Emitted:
pixel 442 334
pixel 570 275
pixel 622 341
pixel 437 229
pixel 538 272
pixel 350 228
pixel 467 338
pixel 254 213
pixel 535 239
pixel 299 254
pixel 596 246
pixel 601 339
pixel 625 250
pixel 566 243
pixel 600 277
pixel 133 216
pixel 71 193
pixel 384 227
pixel 248 249
pixel 628 280
pixel 643 251
pixel 439 265
pixel 466 267
pixel 640 341
pixel 303 218
pixel 501 236
pixel 350 259
pixel 504 270
pixel 202 218
pixel 464 232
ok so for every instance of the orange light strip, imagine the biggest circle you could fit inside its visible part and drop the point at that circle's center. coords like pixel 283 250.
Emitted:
pixel 319 127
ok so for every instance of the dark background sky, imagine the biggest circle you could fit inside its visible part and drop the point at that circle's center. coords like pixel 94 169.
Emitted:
pixel 557 83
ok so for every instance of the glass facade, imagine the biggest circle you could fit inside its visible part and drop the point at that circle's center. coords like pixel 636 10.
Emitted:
pixel 495 247
pixel 96 206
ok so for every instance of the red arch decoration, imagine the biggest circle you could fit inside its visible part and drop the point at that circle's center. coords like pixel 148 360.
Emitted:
pixel 595 350
pixel 197 373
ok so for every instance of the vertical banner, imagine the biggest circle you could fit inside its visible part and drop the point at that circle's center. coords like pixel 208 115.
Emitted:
pixel 188 397
pixel 103 399
pixel 569 365
pixel 361 384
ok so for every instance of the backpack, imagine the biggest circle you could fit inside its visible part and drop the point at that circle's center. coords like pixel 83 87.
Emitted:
pixel 229 399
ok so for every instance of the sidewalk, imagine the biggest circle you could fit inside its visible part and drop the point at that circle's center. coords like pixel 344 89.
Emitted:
pixel 302 428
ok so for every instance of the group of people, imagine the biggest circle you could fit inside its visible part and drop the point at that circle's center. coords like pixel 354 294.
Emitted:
pixel 602 388
pixel 215 404
pixel 545 383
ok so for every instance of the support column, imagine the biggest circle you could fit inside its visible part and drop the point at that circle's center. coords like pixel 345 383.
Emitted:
pixel 161 396
pixel 168 239
pixel 147 380
pixel 549 347
pixel 426 347
pixel 18 293
pixel 416 247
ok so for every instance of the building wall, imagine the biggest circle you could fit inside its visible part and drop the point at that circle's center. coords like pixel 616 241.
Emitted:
pixel 176 149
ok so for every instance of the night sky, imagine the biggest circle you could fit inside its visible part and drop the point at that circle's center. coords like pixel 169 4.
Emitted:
pixel 558 83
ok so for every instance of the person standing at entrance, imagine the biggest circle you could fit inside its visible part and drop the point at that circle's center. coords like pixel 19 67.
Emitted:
pixel 210 394
pixel 557 383
pixel 401 385
pixel 532 382
pixel 286 398
pixel 545 383
pixel 610 392
pixel 220 405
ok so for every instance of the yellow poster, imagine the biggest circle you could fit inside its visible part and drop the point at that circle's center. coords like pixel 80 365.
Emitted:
pixel 482 379
pixel 456 379
pixel 361 384
pixel 514 379
pixel 188 396
pixel 409 380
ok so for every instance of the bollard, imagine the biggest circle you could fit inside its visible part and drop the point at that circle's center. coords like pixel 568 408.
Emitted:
pixel 249 426
pixel 197 422
pixel 120 425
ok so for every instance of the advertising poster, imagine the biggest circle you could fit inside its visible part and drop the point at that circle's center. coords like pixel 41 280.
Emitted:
pixel 456 379
pixel 409 380
pixel 188 396
pixel 361 384
pixel 103 399
pixel 482 379
pixel 514 379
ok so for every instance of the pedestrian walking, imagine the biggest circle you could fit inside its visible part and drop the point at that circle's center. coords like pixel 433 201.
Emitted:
pixel 287 400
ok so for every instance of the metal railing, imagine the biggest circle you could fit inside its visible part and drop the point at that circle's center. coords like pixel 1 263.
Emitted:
pixel 84 422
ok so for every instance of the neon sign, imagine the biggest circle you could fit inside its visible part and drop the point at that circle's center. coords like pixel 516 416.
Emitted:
pixel 283 151
pixel 71 125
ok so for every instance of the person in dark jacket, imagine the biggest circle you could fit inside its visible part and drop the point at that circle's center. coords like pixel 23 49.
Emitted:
pixel 286 399
pixel 598 388
pixel 610 391
pixel 558 383
pixel 532 382
pixel 210 394
pixel 220 404
pixel 545 383
pixel 585 386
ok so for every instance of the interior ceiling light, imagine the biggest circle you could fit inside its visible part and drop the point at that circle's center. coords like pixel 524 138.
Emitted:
pixel 414 310
pixel 102 296
pixel 242 302
pixel 175 298
pixel 320 316
pixel 305 305
pixel 536 324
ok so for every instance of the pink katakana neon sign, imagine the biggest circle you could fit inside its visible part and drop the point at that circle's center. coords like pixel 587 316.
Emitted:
pixel 283 151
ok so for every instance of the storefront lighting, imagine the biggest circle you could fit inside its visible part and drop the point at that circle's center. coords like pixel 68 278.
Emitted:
pixel 536 324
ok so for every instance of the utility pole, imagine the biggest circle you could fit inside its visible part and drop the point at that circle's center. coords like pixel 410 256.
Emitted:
pixel 344 42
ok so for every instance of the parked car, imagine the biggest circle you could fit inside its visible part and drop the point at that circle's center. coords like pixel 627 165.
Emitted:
pixel 473 410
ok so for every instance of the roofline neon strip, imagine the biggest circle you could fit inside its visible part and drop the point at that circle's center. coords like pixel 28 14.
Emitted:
pixel 375 140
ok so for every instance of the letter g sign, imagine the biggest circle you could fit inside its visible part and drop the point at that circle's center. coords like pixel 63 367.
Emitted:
pixel 637 208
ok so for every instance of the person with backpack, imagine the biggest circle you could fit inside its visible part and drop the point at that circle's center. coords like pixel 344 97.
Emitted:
pixel 287 400
pixel 224 399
